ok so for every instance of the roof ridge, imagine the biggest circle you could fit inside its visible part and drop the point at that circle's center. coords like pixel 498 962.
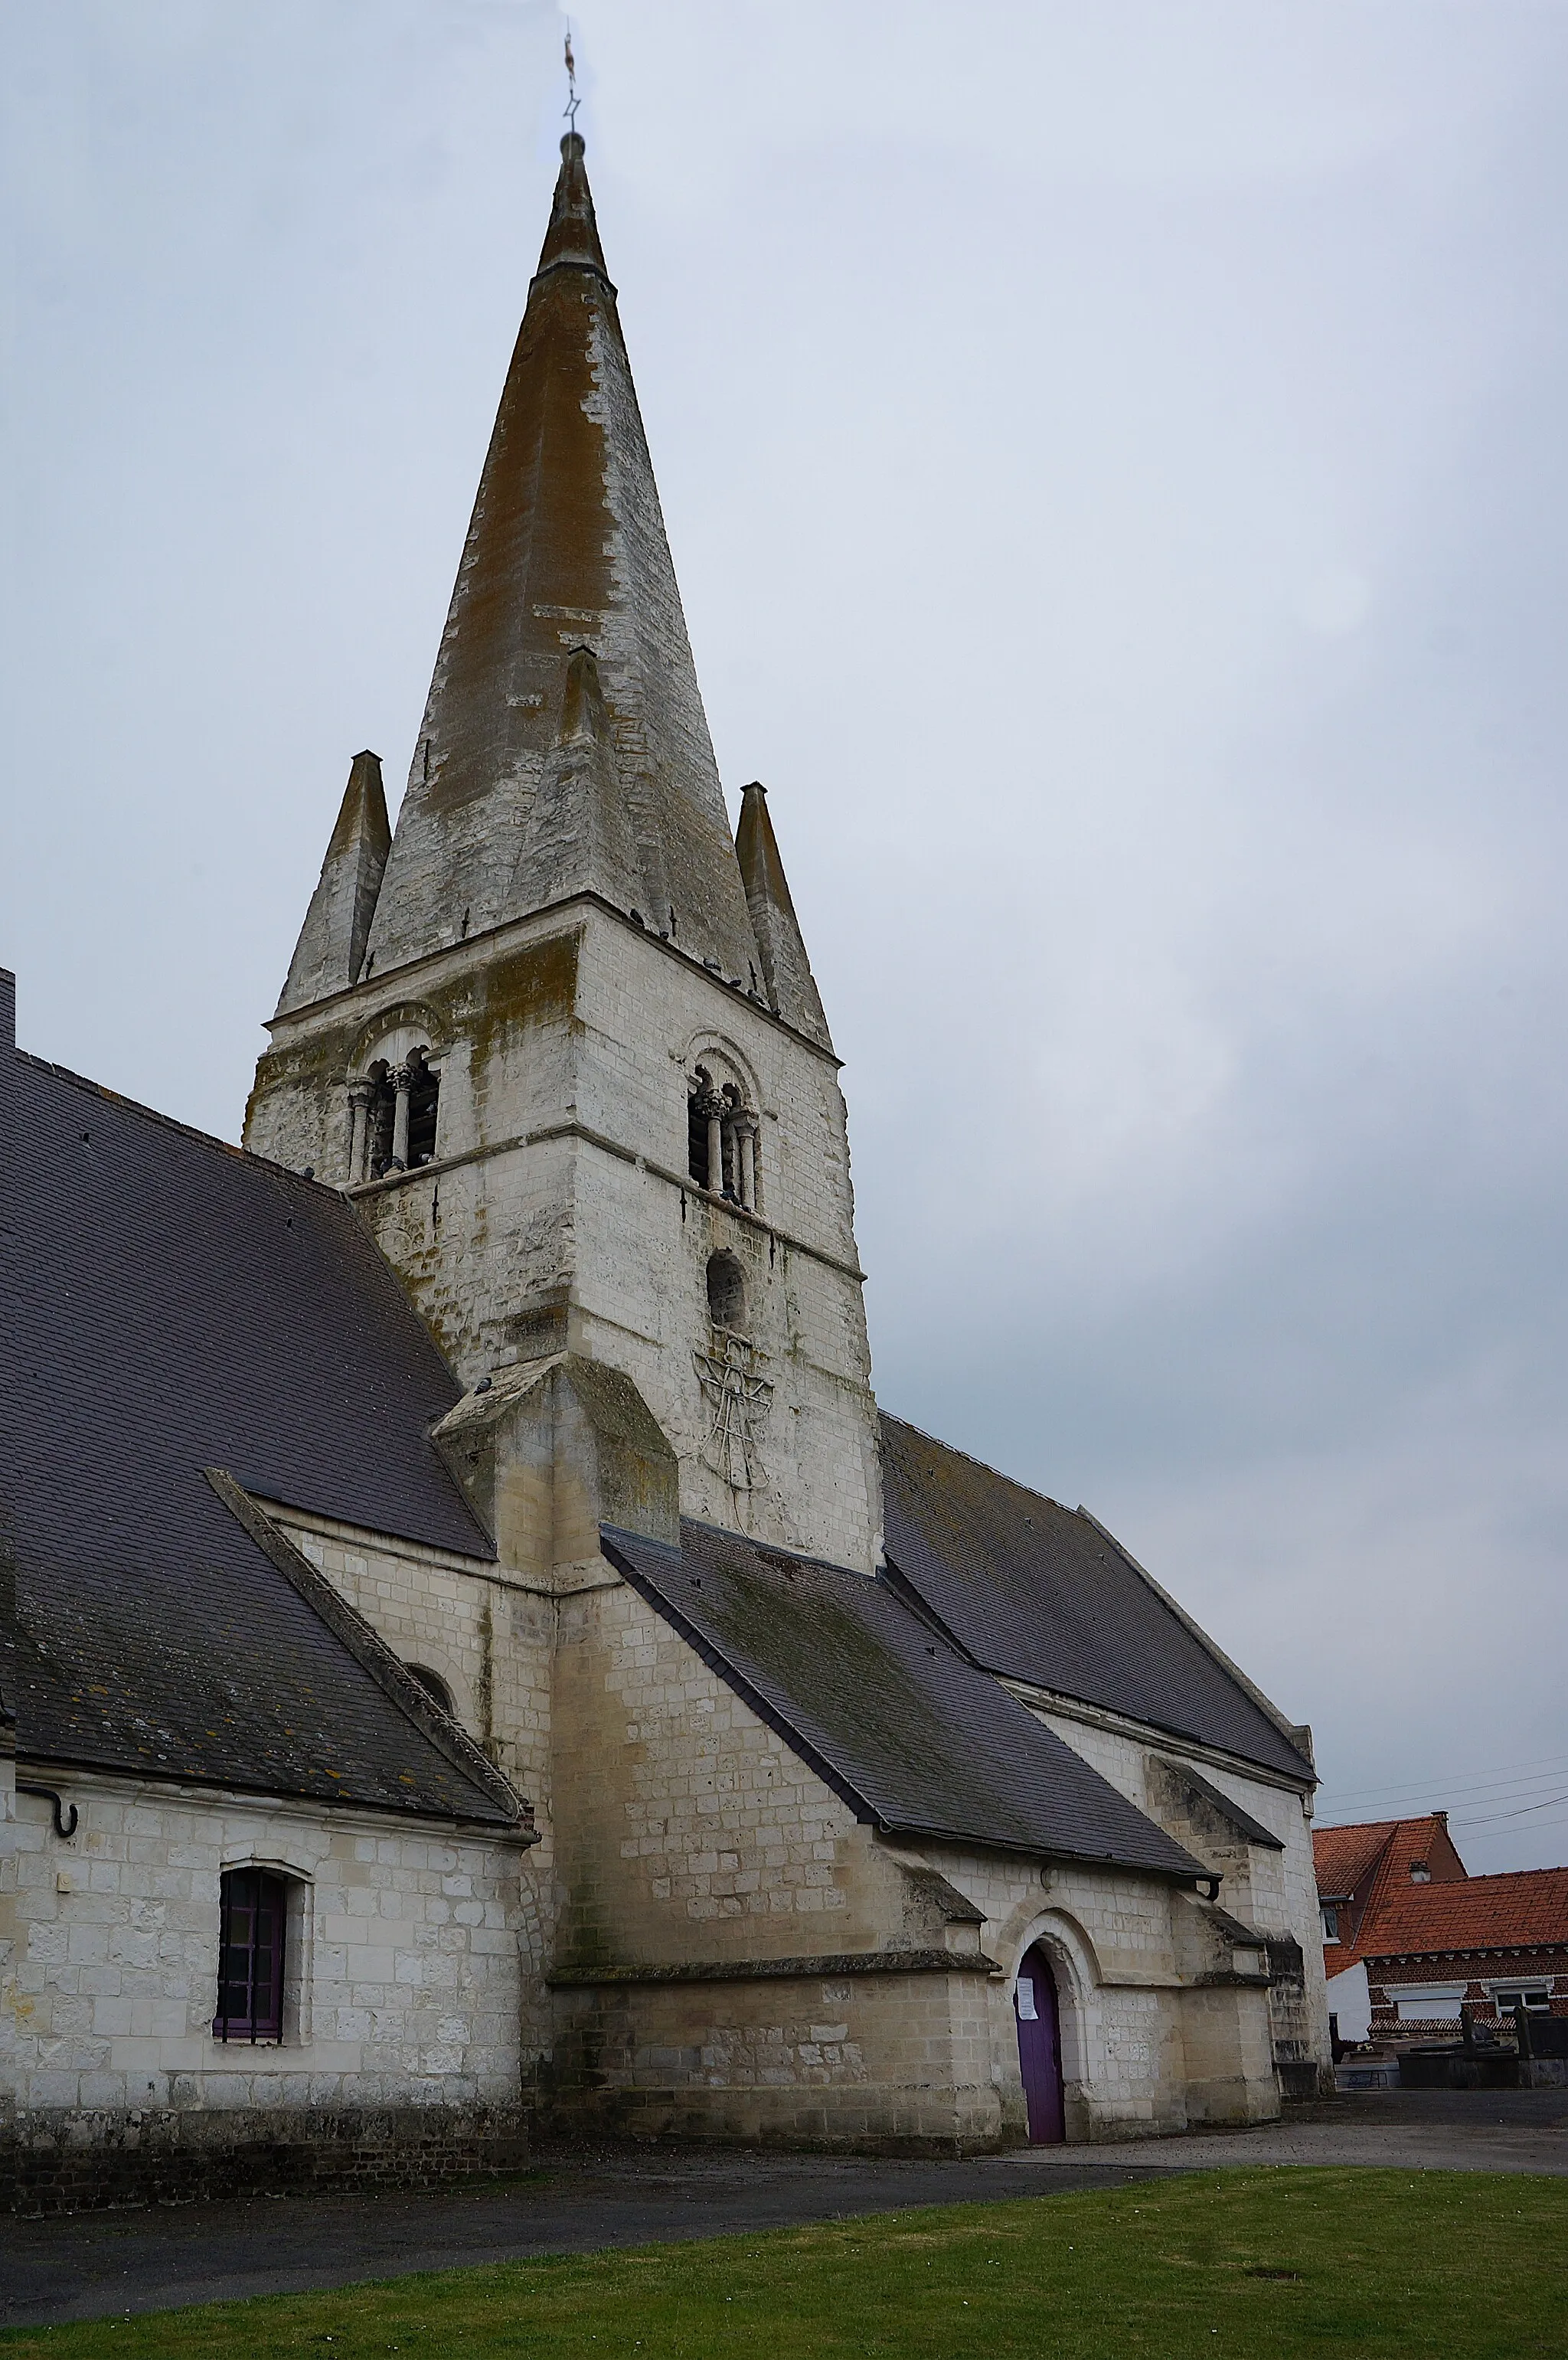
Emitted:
pixel 746 1540
pixel 1495 1876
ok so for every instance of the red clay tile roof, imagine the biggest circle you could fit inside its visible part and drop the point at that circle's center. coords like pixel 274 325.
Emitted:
pixel 1342 1856
pixel 1373 1861
pixel 1527 1909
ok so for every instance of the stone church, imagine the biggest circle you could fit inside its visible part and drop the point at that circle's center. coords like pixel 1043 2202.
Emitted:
pixel 477 1660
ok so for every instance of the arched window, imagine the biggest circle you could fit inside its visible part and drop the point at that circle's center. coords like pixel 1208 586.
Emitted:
pixel 703 1105
pixel 392 1112
pixel 424 1091
pixel 435 1687
pixel 721 1141
pixel 252 1913
pixel 379 1114
pixel 726 1292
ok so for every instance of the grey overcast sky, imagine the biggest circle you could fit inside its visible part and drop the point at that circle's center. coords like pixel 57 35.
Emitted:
pixel 1114 462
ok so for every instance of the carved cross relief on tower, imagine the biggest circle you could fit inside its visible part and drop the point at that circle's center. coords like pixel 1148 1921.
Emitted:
pixel 736 1397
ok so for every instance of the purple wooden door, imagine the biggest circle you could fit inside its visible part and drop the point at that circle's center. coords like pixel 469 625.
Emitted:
pixel 1039 2050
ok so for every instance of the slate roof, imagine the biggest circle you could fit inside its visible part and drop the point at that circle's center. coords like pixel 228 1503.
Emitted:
pixel 173 1304
pixel 1041 1593
pixel 911 1735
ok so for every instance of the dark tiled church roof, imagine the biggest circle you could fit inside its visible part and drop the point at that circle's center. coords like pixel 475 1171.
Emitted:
pixel 174 1304
pixel 1041 1593
pixel 908 1732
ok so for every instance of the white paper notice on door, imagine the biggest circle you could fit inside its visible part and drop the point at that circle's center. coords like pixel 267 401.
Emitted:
pixel 1026 2000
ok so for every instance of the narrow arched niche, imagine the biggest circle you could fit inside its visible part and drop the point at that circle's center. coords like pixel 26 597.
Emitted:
pixel 435 1687
pixel 727 1292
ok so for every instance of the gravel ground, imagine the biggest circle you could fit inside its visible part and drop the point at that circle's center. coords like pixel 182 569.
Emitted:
pixel 96 2264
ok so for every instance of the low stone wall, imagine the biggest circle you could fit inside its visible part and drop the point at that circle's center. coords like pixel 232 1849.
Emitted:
pixel 66 2162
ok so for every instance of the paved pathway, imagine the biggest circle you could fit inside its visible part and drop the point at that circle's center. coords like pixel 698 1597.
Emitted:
pixel 95 2265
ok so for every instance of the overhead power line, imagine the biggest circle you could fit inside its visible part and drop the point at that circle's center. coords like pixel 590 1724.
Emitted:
pixel 1488 1818
pixel 1520 1773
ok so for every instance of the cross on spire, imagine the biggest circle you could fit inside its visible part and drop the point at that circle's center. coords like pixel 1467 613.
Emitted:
pixel 574 102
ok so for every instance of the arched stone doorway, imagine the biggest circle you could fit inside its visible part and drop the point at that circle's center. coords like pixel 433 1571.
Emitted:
pixel 1040 2048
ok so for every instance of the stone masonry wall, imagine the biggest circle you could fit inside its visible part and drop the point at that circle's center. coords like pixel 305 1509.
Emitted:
pixel 897 2063
pixel 688 1836
pixel 1274 1891
pixel 404 1956
pixel 558 1208
pixel 680 1831
pixel 491 1640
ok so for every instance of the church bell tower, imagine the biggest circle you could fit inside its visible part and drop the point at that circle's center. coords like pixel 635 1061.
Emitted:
pixel 557 1036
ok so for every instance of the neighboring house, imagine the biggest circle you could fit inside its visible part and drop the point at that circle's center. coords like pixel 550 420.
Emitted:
pixel 480 1654
pixel 1411 1938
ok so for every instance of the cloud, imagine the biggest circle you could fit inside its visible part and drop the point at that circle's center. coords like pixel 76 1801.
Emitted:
pixel 1112 460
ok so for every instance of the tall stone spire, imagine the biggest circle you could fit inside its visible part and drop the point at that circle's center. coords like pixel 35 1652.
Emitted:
pixel 337 925
pixel 786 975
pixel 506 812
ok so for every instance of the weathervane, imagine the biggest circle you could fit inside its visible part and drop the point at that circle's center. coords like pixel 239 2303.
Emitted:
pixel 574 102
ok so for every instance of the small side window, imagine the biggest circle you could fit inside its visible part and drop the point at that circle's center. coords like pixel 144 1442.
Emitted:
pixel 1330 1922
pixel 1534 1995
pixel 253 1916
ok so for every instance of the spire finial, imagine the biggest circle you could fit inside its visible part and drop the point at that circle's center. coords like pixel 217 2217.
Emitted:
pixel 574 102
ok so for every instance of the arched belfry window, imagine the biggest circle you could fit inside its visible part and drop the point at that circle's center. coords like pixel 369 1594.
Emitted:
pixel 720 1139
pixel 394 1111
pixel 424 1092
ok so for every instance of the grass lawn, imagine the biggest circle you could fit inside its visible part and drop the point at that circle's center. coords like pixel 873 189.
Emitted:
pixel 1253 2265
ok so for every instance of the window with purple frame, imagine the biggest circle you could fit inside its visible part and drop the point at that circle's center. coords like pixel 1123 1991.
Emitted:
pixel 253 1911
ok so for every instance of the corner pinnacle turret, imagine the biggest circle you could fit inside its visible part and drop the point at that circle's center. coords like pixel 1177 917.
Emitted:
pixel 566 549
pixel 337 925
pixel 786 975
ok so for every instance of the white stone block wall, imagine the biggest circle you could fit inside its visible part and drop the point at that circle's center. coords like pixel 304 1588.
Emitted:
pixel 1281 1895
pixel 488 1636
pixel 408 1947
pixel 686 1829
pixel 1108 1936
pixel 576 1036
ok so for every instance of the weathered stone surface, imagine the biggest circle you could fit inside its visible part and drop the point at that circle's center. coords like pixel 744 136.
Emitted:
pixel 788 979
pixel 55 2161
pixel 509 807
pixel 405 1962
pixel 550 1451
pixel 560 1210
pixel 337 925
